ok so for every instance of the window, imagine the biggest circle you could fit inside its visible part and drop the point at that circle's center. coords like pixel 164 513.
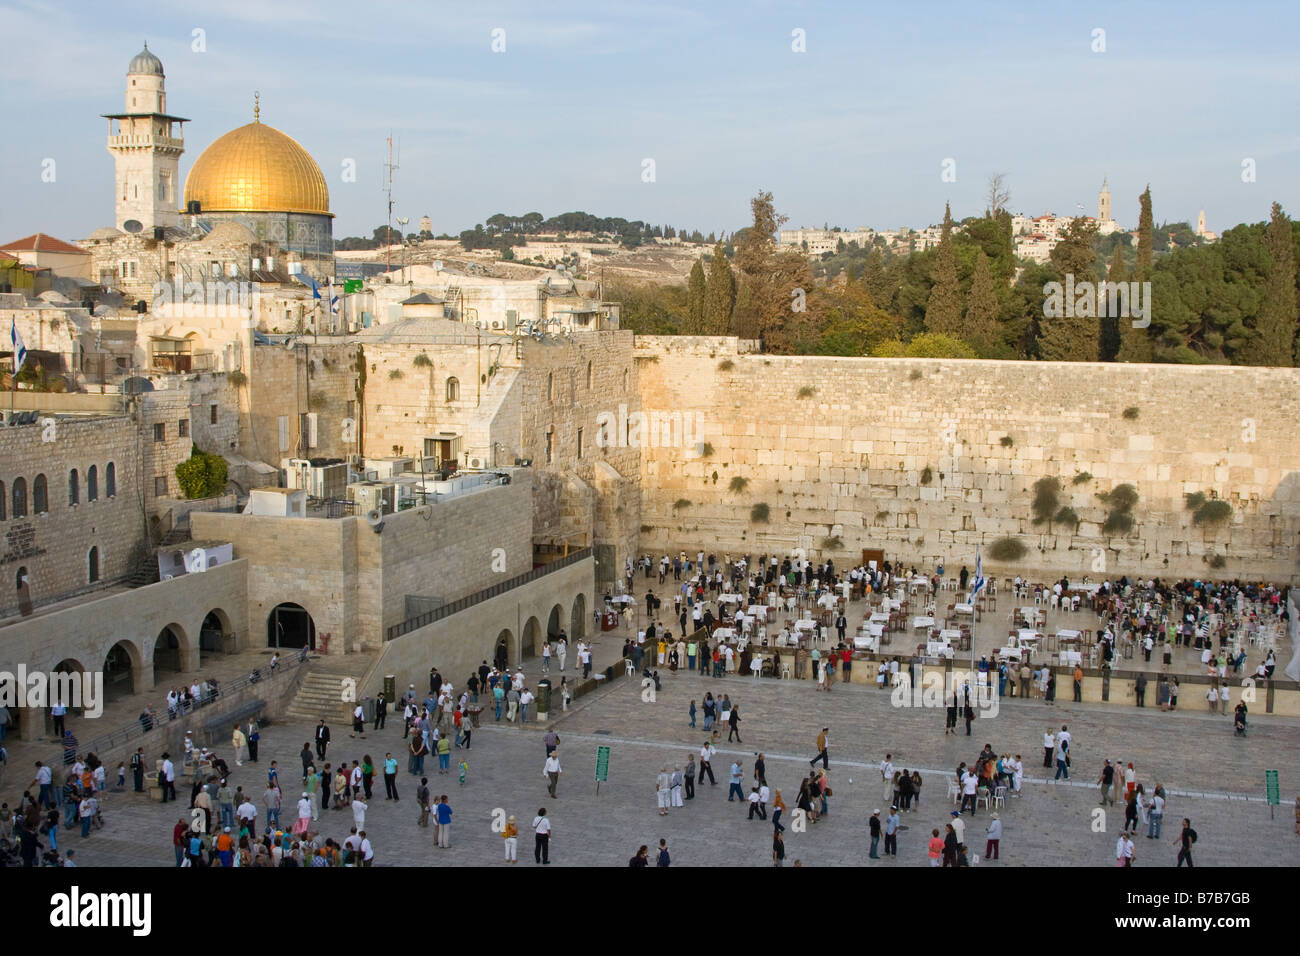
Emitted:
pixel 20 578
pixel 579 442
pixel 20 498
pixel 550 436
pixel 453 389
pixel 212 413
pixel 160 486
pixel 92 566
pixel 183 428
pixel 589 375
pixel 92 483
pixel 40 495
pixel 283 424
pixel 625 381
pixel 160 431
pixel 3 501
pixel 74 487
pixel 352 408
pixel 550 388
pixel 110 480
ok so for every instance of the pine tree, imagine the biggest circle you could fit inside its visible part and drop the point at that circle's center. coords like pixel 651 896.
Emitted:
pixel 943 309
pixel 1275 324
pixel 720 295
pixel 981 329
pixel 696 293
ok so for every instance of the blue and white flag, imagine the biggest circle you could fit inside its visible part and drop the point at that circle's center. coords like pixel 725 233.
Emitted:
pixel 20 350
pixel 979 579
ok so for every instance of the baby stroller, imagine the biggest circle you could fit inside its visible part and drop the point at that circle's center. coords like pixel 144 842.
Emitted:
pixel 1239 724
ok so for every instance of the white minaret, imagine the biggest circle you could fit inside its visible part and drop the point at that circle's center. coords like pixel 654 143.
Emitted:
pixel 146 144
pixel 1103 203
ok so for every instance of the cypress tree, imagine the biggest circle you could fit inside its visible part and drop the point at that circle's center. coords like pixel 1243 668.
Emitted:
pixel 943 308
pixel 1135 344
pixel 720 295
pixel 695 299
pixel 981 328
pixel 1275 324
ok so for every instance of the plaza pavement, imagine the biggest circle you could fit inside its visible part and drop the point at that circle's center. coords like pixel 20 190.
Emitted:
pixel 1213 777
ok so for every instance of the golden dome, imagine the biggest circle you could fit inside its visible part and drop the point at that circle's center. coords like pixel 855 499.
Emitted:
pixel 256 168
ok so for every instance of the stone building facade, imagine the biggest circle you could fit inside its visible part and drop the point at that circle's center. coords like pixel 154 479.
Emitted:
pixel 71 517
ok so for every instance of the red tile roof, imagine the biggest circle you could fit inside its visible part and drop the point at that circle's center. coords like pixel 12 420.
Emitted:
pixel 40 242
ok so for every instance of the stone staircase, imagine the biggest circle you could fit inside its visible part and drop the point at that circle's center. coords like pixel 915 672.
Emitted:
pixel 146 572
pixel 321 693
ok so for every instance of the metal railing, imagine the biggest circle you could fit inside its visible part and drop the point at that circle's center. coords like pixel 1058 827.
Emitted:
pixel 227 691
pixel 478 597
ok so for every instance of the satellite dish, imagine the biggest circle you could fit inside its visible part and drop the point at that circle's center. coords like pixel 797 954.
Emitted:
pixel 437 265
pixel 133 226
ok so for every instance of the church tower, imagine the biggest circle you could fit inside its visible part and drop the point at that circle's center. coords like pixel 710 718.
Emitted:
pixel 1200 223
pixel 146 143
pixel 1103 202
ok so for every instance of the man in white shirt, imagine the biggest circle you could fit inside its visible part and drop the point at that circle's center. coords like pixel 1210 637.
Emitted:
pixel 887 775
pixel 551 771
pixel 1155 817
pixel 1049 746
pixel 663 791
pixel 969 782
pixel 366 849
pixel 169 777
pixel 359 808
pixel 959 827
pixel 542 829
pixel 706 762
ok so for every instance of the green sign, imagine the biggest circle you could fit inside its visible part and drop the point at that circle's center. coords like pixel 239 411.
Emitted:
pixel 351 285
pixel 602 764
pixel 1271 788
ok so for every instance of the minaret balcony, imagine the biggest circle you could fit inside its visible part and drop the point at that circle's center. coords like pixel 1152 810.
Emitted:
pixel 127 140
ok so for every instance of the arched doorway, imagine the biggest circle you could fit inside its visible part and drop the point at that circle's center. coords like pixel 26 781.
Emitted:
pixel 167 650
pixel 289 625
pixel 531 639
pixel 119 671
pixel 555 623
pixel 213 633
pixel 503 651
pixel 578 619
pixel 60 692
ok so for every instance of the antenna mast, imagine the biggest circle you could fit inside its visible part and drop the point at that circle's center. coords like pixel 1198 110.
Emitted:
pixel 388 189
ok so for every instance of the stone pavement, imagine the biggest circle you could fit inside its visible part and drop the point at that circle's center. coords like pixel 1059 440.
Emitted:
pixel 1213 777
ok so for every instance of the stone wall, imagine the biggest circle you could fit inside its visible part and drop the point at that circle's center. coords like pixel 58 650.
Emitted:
pixel 163 416
pixel 54 546
pixel 354 582
pixel 312 379
pixel 930 459
pixel 458 643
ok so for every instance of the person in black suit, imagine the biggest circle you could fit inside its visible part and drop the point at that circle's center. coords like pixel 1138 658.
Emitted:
pixel 322 738
pixel 381 711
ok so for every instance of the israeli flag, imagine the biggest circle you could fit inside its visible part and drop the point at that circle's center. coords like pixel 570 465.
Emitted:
pixel 979 579
pixel 20 350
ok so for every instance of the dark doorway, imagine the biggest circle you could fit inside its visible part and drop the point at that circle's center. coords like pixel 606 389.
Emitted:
pixel 289 625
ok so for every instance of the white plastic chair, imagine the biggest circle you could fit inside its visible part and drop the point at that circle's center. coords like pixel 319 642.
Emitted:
pixel 1000 797
pixel 954 791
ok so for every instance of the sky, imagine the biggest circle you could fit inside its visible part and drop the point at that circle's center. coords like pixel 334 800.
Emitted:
pixel 852 130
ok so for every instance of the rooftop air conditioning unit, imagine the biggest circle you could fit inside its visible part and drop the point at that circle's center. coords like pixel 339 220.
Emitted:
pixel 498 325
pixel 371 496
pixel 476 462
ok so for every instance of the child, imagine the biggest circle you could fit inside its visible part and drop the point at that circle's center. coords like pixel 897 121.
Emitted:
pixel 464 770
pixel 121 777
pixel 692 713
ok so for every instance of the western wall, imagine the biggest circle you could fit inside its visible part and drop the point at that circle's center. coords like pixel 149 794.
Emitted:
pixel 928 459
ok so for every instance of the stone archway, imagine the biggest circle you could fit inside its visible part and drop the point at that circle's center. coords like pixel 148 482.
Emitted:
pixel 169 650
pixel 578 618
pixel 45 725
pixel 555 623
pixel 289 625
pixel 530 641
pixel 216 635
pixel 123 671
pixel 503 651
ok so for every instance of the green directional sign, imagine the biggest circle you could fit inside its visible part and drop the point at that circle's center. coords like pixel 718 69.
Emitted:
pixel 1271 790
pixel 602 764
pixel 352 285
